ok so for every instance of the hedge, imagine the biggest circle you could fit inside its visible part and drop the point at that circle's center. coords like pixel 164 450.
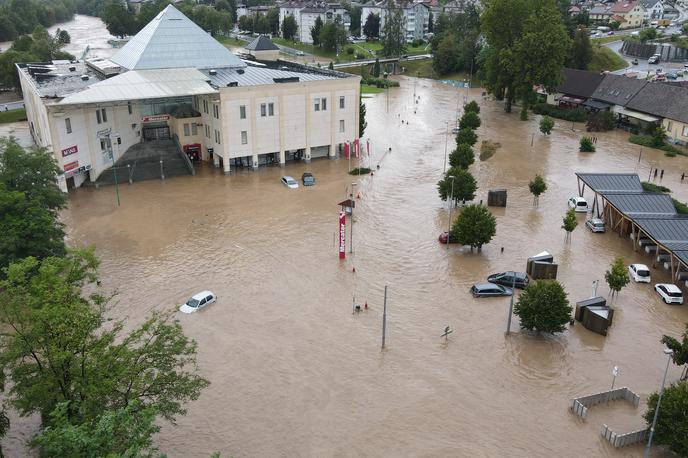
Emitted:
pixel 575 115
pixel 646 140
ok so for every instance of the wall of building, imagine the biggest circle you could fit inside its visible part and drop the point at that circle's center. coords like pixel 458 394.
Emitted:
pixel 36 112
pixel 677 131
pixel 295 123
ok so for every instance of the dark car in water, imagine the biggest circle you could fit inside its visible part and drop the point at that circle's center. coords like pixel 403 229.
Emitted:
pixel 444 236
pixel 509 278
pixel 490 290
pixel 308 179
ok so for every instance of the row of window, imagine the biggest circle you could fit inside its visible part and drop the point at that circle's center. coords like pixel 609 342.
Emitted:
pixel 101 117
pixel 268 109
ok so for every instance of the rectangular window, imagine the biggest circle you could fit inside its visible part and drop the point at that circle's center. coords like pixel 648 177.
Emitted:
pixel 104 115
pixel 341 125
pixel 685 131
pixel 98 117
pixel 341 102
pixel 216 111
pixel 217 137
pixel 670 125
pixel 205 106
pixel 129 107
pixel 244 137
pixel 271 109
pixel 324 104
pixel 316 104
pixel 186 129
pixel 242 112
pixel 194 129
pixel 263 113
pixel 207 130
pixel 68 125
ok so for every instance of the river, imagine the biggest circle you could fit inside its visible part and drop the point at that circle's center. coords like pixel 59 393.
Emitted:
pixel 294 373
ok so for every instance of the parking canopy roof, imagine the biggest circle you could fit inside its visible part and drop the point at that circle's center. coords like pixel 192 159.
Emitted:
pixel 612 182
pixel 641 205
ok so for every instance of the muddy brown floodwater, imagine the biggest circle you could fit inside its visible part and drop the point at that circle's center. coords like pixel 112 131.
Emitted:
pixel 295 373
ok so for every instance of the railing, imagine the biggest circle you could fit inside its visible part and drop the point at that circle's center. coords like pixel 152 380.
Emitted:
pixel 580 405
pixel 187 161
pixel 622 440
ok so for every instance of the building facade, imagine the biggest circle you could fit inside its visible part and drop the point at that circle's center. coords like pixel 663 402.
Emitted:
pixel 172 80
pixel 416 17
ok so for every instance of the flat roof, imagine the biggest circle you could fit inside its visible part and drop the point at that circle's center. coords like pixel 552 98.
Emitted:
pixel 611 182
pixel 59 79
pixel 270 73
pixel 144 84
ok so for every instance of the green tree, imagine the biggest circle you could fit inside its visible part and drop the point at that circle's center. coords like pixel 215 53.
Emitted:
pixel 586 145
pixel 462 156
pixel 537 186
pixel 118 20
pixel 464 185
pixel 600 121
pixel 617 276
pixel 60 346
pixel 125 432
pixel 394 31
pixel 355 16
pixel 376 68
pixel 328 37
pixel 466 136
pixel 581 49
pixel 569 223
pixel 475 226
pixel 315 31
pixel 273 20
pixel 615 25
pixel 546 125
pixel 261 24
pixel 658 133
pixel 371 28
pixel 469 120
pixel 289 27
pixel 246 23
pixel 431 22
pixel 672 422
pixel 647 34
pixel 445 57
pixel 472 107
pixel 680 349
pixel 543 307
pixel 362 123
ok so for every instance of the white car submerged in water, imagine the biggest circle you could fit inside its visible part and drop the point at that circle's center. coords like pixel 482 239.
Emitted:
pixel 198 301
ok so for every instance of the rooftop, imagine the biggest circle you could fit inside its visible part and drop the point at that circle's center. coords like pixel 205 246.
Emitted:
pixel 641 204
pixel 171 40
pixel 269 73
pixel 618 89
pixel 60 78
pixel 262 43
pixel 581 83
pixel 612 182
pixel 663 100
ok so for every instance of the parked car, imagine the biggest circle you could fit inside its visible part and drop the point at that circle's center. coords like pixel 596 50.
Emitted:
pixel 517 279
pixel 198 301
pixel 490 290
pixel 308 179
pixel 595 224
pixel 444 236
pixel 639 273
pixel 653 59
pixel 579 204
pixel 289 182
pixel 671 294
pixel 672 76
pixel 611 32
pixel 634 61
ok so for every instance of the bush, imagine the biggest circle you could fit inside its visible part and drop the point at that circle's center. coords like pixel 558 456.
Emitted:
pixel 576 115
pixel 646 140
pixel 360 171
pixel 472 107
pixel 469 120
pixel 546 125
pixel 651 187
pixel 680 207
pixel 359 56
pixel 601 121
pixel 466 136
pixel 586 145
pixel 543 307
pixel 349 50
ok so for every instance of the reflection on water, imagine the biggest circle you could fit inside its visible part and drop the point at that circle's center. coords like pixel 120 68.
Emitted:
pixel 295 373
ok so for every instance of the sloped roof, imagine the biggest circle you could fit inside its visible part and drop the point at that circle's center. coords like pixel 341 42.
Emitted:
pixel 618 89
pixel 580 83
pixel 641 204
pixel 171 40
pixel 623 6
pixel 262 43
pixel 612 182
pixel 144 84
pixel 663 100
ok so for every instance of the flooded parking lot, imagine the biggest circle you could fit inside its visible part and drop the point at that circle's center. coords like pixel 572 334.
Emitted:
pixel 295 373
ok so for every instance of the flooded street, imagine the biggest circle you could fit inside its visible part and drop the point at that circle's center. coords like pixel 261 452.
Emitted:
pixel 294 373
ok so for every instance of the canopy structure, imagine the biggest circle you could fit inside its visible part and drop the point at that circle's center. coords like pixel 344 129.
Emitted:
pixel 635 114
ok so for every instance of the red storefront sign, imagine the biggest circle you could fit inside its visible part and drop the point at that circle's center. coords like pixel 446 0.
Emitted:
pixel 71 150
pixel 342 235
pixel 71 166
pixel 154 118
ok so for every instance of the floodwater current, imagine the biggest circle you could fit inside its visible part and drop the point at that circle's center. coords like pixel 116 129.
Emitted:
pixel 295 373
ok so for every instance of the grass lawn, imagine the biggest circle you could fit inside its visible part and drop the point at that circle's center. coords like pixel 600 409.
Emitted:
pixel 12 116
pixel 231 41
pixel 607 39
pixel 366 89
pixel 604 58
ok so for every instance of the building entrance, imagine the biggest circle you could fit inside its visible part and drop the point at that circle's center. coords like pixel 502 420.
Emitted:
pixel 155 132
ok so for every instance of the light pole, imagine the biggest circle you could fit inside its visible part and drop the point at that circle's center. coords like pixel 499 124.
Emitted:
pixel 351 242
pixel 451 198
pixel 446 134
pixel 511 304
pixel 669 354
pixel 387 90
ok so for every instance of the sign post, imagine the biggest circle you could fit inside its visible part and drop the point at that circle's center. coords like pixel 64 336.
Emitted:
pixel 342 235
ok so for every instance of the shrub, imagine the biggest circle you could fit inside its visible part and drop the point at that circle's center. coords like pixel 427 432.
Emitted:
pixel 601 121
pixel 648 141
pixel 472 107
pixel 651 187
pixel 680 207
pixel 462 156
pixel 546 125
pixel 349 50
pixel 467 136
pixel 469 120
pixel 487 149
pixel 586 145
pixel 576 115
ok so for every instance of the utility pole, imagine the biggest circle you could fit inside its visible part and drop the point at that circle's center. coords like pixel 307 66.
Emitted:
pixel 451 204
pixel 114 170
pixel 446 134
pixel 384 318
pixel 511 305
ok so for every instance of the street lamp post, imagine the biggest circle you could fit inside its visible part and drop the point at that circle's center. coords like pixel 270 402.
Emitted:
pixel 386 90
pixel 451 198
pixel 669 354
pixel 446 134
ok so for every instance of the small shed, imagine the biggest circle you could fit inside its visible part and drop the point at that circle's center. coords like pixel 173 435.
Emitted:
pixel 262 48
pixel 542 267
pixel 594 314
pixel 347 205
pixel 496 197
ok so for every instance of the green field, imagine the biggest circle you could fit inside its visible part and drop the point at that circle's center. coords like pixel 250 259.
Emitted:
pixel 367 89
pixel 231 41
pixel 607 39
pixel 12 116
pixel 604 58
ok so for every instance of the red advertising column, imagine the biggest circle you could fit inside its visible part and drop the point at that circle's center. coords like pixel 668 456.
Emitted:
pixel 342 235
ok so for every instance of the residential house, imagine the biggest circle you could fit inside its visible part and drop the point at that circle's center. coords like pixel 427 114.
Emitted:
pixel 576 88
pixel 327 12
pixel 668 103
pixel 600 13
pixel 614 93
pixel 254 11
pixel 630 14
pixel 654 9
pixel 292 8
pixel 416 16
pixel 242 10
pixel 262 48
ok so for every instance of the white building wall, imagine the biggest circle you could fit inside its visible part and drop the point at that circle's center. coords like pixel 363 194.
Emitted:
pixel 36 112
pixel 294 121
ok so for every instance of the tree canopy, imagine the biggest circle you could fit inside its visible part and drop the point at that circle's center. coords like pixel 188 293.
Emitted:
pixel 462 156
pixel 289 27
pixel 543 307
pixel 672 422
pixel 581 49
pixel 537 186
pixel 371 28
pixel 455 44
pixel 464 185
pixel 475 226
pixel 394 31
pixel 546 125
pixel 315 31
pixel 680 348
pixel 469 120
pixel 617 276
pixel 569 223
pixel 466 136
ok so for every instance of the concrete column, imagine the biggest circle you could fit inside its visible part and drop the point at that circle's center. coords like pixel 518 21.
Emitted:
pixel 216 159
pixel 308 155
pixel 225 164
pixel 282 158
pixel 332 153
pixel 254 159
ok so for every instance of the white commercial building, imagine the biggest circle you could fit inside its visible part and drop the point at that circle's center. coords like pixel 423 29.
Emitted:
pixel 416 17
pixel 306 13
pixel 173 80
